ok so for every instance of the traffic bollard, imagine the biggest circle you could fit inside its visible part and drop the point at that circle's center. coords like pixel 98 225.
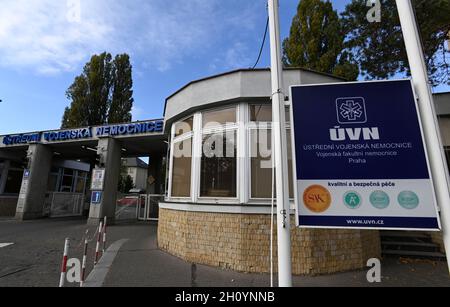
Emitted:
pixel 62 279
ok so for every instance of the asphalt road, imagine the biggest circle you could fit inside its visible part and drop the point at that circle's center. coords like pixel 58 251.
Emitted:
pixel 35 257
pixel 34 260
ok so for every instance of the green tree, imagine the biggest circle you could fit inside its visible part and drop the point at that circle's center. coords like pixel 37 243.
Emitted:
pixel 128 184
pixel 78 93
pixel 316 41
pixel 125 184
pixel 122 95
pixel 101 94
pixel 379 47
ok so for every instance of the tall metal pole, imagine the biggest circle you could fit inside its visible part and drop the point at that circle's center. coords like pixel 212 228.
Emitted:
pixel 435 146
pixel 280 151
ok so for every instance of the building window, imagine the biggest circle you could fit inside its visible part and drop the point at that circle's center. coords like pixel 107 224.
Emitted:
pixel 261 163
pixel 80 183
pixel 182 167
pixel 219 166
pixel 184 126
pixel 204 155
pixel 67 181
pixel 262 113
pixel 261 152
pixel 219 117
pixel 53 180
pixel 13 181
pixel 182 158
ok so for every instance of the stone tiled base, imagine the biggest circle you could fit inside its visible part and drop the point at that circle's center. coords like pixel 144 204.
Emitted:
pixel 241 242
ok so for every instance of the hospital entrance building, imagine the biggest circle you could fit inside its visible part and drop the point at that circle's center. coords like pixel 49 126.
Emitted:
pixel 211 209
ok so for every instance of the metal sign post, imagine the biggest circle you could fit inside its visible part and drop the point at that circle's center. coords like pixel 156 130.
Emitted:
pixel 280 151
pixel 431 129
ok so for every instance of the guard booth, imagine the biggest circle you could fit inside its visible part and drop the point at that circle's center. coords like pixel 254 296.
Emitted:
pixel 67 190
pixel 50 173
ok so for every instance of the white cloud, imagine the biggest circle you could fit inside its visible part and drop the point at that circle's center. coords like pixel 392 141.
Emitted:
pixel 137 112
pixel 38 35
pixel 237 56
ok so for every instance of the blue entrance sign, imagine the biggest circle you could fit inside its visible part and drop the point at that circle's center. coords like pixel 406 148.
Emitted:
pixel 85 134
pixel 131 129
pixel 21 139
pixel 77 134
pixel 360 157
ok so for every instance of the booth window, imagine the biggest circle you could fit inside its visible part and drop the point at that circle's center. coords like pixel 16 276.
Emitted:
pixel 261 163
pixel 13 181
pixel 184 126
pixel 182 159
pixel 261 152
pixel 1 172
pixel 263 113
pixel 219 117
pixel 53 180
pixel 219 166
pixel 181 172
pixel 80 183
pixel 67 180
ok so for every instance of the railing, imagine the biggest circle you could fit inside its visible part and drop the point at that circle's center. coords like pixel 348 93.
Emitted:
pixel 151 210
pixel 134 207
pixel 65 204
pixel 127 207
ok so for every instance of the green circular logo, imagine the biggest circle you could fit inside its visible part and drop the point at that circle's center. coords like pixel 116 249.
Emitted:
pixel 408 200
pixel 380 200
pixel 352 200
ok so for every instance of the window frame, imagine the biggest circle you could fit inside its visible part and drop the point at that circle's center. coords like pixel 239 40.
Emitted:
pixel 250 130
pixel 250 126
pixel 243 129
pixel 174 141
pixel 224 128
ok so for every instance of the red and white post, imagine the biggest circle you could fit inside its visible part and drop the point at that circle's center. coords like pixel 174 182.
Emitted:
pixel 97 247
pixel 83 265
pixel 62 279
pixel 104 234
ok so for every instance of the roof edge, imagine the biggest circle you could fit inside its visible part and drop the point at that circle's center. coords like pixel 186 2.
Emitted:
pixel 244 70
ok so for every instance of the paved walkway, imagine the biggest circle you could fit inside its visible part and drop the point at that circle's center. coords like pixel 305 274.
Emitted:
pixel 141 263
pixel 35 258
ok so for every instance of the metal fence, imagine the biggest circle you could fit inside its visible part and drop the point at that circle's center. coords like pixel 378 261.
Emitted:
pixel 151 210
pixel 59 204
pixel 135 207
pixel 127 207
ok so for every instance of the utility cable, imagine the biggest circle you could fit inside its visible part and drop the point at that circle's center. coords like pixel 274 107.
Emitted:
pixel 262 45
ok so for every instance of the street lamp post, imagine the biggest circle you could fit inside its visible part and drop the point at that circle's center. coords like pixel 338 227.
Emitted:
pixel 435 146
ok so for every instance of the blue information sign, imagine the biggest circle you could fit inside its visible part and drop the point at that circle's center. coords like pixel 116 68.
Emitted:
pixel 360 157
pixel 96 198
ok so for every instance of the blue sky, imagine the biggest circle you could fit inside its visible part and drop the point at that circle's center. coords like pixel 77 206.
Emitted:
pixel 43 48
